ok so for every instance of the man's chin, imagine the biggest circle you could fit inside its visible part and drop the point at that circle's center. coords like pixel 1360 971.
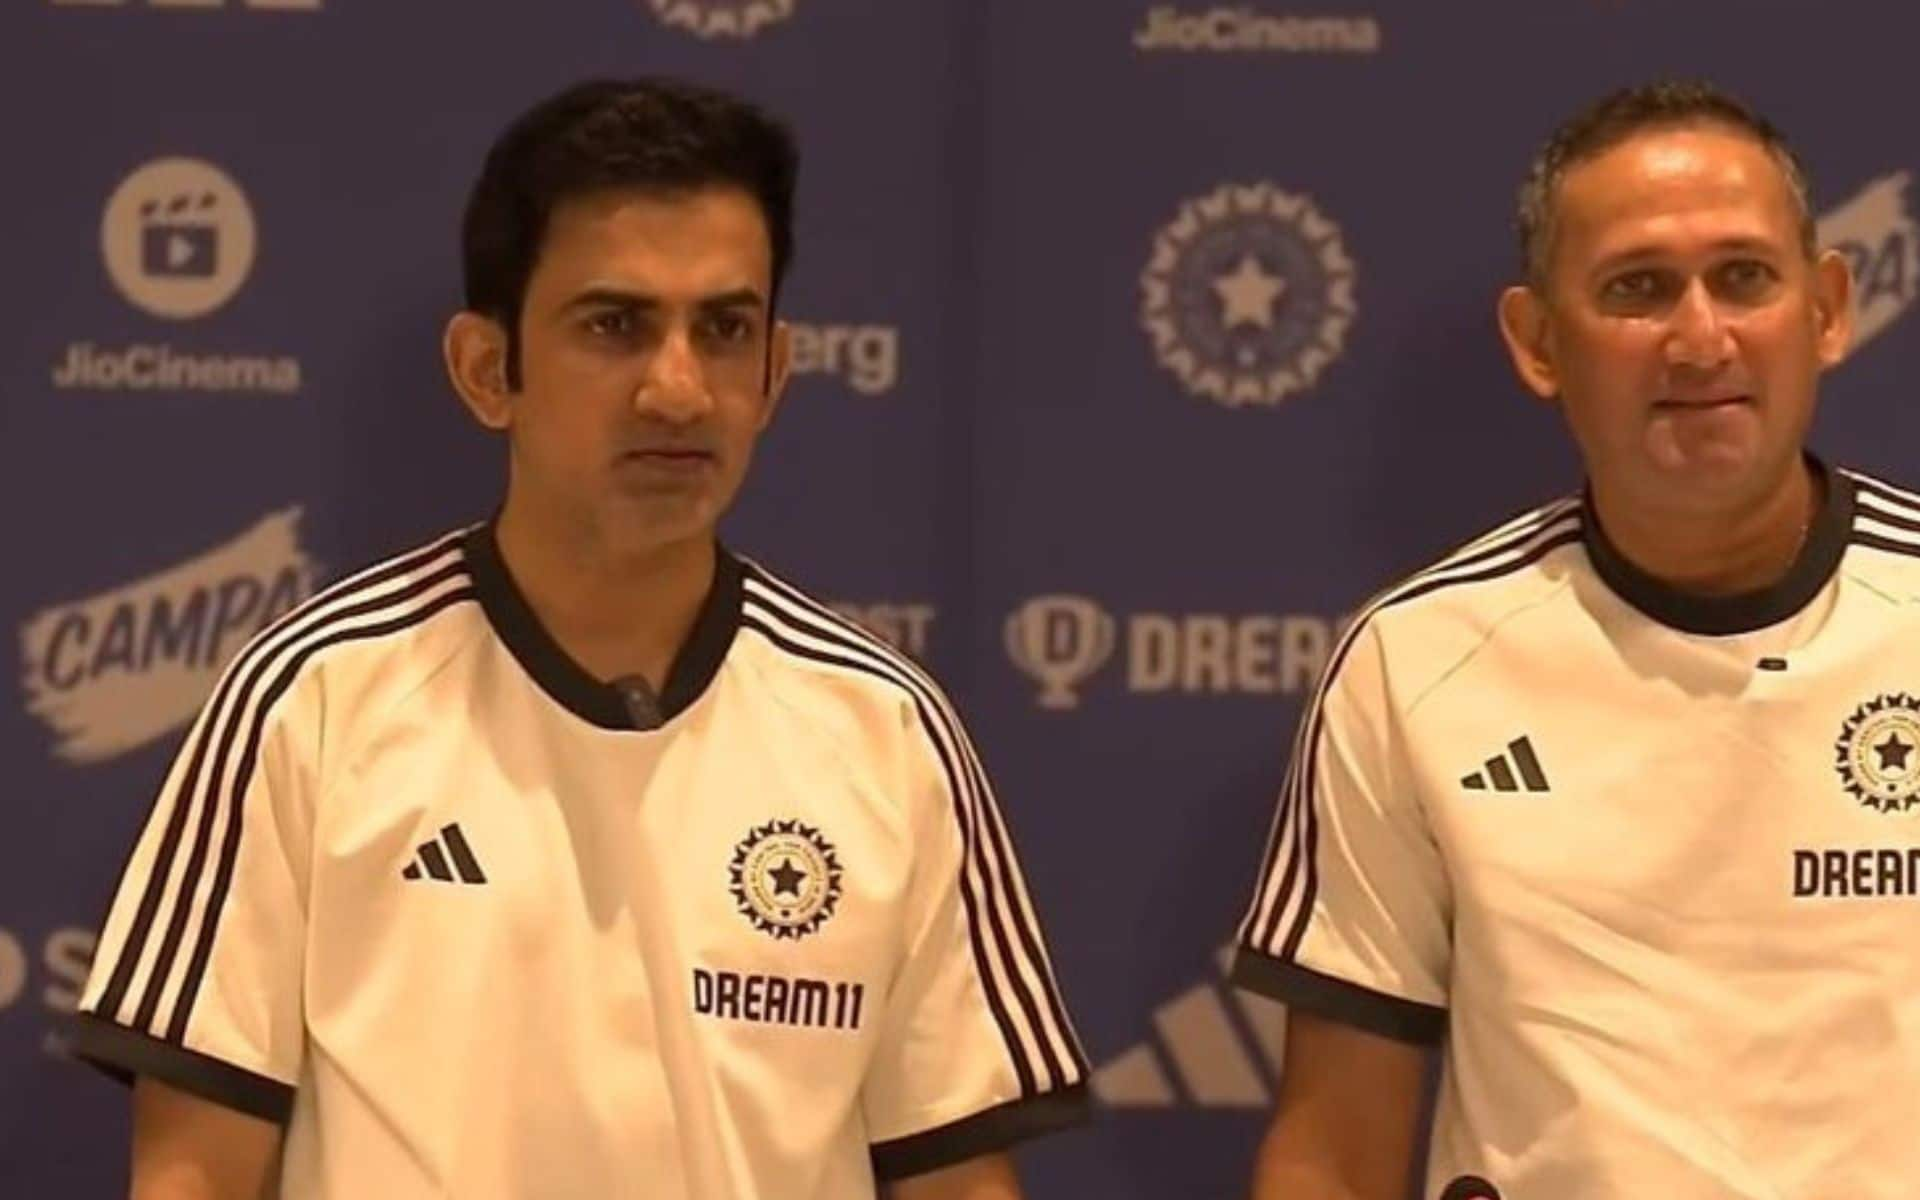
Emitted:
pixel 647 520
pixel 1716 483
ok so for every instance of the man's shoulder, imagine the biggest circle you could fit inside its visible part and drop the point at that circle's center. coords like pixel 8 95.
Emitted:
pixel 1475 585
pixel 814 648
pixel 378 624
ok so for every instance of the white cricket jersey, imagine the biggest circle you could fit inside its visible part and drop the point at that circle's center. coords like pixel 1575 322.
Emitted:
pixel 473 923
pixel 1647 865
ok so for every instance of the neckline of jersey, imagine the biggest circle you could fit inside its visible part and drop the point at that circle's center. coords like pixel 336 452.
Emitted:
pixel 569 684
pixel 1723 616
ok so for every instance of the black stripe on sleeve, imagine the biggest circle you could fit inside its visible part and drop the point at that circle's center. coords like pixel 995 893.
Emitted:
pixel 985 1132
pixel 1538 545
pixel 297 623
pixel 993 850
pixel 125 1053
pixel 244 714
pixel 1339 1000
pixel 1890 545
pixel 249 756
pixel 1293 820
pixel 996 1004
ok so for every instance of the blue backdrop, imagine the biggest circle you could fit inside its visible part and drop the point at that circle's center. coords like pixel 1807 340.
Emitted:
pixel 1139 342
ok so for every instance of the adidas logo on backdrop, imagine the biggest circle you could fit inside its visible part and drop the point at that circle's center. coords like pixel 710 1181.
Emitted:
pixel 1215 1046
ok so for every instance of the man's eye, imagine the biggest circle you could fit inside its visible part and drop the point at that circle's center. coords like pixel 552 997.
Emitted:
pixel 617 322
pixel 1633 287
pixel 728 327
pixel 1746 276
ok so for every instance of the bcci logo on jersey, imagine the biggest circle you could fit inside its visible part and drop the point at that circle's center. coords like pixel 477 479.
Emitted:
pixel 1876 233
pixel 1060 641
pixel 785 879
pixel 1875 753
pixel 1248 294
pixel 722 18
pixel 112 672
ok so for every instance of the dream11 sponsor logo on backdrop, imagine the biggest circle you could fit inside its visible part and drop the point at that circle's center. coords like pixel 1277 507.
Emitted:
pixel 864 357
pixel 1241 28
pixel 721 18
pixel 1248 294
pixel 1063 642
pixel 113 672
pixel 179 239
pixel 1875 231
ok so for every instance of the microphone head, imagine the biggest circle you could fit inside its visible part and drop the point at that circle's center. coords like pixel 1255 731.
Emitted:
pixel 1470 1187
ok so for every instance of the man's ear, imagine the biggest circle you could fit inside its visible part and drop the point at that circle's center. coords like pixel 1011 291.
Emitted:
pixel 1526 330
pixel 1833 307
pixel 779 370
pixel 475 349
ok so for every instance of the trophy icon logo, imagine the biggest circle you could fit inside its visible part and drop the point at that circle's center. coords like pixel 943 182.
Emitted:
pixel 1060 641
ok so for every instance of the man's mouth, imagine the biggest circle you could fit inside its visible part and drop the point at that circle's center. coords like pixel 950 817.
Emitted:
pixel 1702 403
pixel 681 458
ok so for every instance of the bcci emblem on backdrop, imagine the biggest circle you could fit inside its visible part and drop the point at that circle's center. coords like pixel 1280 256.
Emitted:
pixel 1060 641
pixel 1248 294
pixel 722 18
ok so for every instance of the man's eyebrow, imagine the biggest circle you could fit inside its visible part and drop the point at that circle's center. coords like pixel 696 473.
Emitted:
pixel 609 297
pixel 1648 251
pixel 736 298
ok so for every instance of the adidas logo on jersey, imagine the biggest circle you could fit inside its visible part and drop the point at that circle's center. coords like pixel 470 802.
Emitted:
pixel 1201 1054
pixel 1498 772
pixel 453 863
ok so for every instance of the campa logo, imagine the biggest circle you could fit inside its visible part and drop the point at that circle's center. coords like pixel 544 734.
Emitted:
pixel 1875 231
pixel 1213 1046
pixel 112 672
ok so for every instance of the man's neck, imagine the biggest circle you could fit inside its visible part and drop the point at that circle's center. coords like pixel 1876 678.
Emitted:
pixel 1720 554
pixel 615 611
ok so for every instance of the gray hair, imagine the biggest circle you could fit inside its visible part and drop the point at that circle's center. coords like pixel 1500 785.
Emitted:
pixel 1617 117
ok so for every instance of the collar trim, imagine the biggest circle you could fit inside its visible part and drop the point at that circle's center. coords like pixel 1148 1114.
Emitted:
pixel 1722 616
pixel 566 681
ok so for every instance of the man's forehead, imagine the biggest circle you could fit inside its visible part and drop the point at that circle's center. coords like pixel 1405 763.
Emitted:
pixel 706 238
pixel 1662 177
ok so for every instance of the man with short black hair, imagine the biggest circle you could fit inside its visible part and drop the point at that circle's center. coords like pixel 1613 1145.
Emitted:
pixel 571 854
pixel 1613 804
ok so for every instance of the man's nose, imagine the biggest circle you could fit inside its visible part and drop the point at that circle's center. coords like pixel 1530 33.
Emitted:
pixel 675 386
pixel 1697 333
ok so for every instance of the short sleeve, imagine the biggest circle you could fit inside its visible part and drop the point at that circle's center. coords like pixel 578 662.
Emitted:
pixel 976 1051
pixel 197 977
pixel 1351 918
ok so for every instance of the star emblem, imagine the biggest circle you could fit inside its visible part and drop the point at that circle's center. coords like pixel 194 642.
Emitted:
pixel 786 878
pixel 1893 752
pixel 1247 294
